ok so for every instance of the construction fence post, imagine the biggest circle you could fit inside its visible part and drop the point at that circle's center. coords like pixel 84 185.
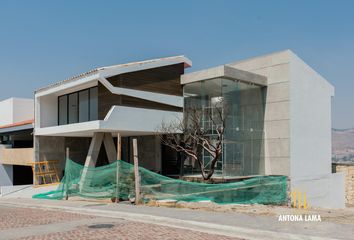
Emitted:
pixel 66 178
pixel 136 172
pixel 119 157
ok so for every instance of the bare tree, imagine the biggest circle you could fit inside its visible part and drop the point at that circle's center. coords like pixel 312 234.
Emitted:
pixel 188 136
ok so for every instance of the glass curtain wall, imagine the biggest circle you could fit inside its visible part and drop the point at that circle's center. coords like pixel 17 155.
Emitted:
pixel 81 106
pixel 242 106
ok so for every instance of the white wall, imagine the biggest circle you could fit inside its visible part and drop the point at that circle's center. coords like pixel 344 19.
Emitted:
pixel 310 121
pixel 311 146
pixel 23 109
pixel 138 119
pixel 6 112
pixel 14 110
pixel 47 111
pixel 6 175
pixel 326 191
pixel 298 126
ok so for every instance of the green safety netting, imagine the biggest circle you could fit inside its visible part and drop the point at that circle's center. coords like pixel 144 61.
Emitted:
pixel 101 182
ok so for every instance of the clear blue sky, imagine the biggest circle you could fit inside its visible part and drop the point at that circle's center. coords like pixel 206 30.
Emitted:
pixel 42 42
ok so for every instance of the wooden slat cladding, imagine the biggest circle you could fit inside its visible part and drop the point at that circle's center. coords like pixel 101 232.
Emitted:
pixel 141 103
pixel 160 80
pixel 106 100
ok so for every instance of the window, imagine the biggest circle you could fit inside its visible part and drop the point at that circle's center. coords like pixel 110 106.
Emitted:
pixel 84 106
pixel 79 106
pixel 63 110
pixel 94 103
pixel 73 108
pixel 243 109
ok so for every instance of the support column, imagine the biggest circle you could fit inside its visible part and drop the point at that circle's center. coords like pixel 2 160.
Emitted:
pixel 91 158
pixel 94 151
pixel 110 148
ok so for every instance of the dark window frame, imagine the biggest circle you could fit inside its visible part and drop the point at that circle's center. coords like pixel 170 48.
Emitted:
pixel 78 106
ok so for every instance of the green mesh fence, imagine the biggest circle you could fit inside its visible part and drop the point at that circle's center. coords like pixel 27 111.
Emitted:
pixel 101 182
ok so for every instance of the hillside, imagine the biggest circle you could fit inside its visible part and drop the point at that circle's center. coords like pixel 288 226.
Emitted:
pixel 343 144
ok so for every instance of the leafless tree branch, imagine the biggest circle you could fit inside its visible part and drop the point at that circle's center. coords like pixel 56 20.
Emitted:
pixel 188 136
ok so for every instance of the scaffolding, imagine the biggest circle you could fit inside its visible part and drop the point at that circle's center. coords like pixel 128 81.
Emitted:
pixel 45 173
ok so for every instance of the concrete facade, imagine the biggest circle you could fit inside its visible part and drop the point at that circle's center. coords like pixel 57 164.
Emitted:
pixel 49 148
pixel 14 110
pixel 297 122
pixel 149 152
pixel 298 126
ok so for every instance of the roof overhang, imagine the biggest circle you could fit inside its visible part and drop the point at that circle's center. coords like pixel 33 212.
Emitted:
pixel 18 126
pixel 92 77
pixel 224 71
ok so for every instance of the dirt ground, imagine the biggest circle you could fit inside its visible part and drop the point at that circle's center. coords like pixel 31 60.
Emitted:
pixel 344 216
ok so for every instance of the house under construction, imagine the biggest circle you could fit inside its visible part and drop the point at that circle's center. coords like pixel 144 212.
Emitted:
pixel 278 119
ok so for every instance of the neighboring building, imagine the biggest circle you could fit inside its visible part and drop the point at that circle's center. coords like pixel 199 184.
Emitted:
pixel 16 141
pixel 278 118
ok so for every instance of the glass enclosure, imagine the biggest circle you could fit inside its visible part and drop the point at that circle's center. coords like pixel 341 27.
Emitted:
pixel 242 107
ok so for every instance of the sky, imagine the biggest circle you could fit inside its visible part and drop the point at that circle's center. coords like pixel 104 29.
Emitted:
pixel 42 42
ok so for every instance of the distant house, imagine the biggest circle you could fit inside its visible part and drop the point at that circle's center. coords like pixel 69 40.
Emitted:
pixel 278 118
pixel 16 141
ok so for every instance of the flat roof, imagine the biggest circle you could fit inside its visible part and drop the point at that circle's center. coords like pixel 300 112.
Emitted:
pixel 224 71
pixel 17 126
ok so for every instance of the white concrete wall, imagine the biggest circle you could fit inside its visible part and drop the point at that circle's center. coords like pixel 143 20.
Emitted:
pixel 310 121
pixel 298 126
pixel 23 109
pixel 6 112
pixel 311 146
pixel 326 191
pixel 46 111
pixel 6 175
pixel 14 110
pixel 137 119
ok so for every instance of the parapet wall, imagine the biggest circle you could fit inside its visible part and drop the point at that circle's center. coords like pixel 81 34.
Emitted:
pixel 348 170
